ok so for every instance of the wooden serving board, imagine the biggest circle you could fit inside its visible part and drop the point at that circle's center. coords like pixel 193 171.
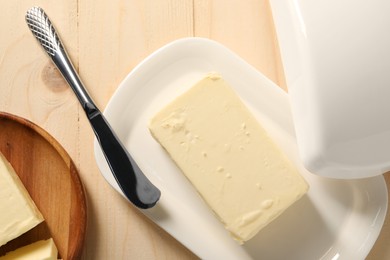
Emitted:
pixel 53 182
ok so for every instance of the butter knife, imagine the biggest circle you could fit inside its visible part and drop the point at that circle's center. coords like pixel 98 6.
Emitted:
pixel 133 183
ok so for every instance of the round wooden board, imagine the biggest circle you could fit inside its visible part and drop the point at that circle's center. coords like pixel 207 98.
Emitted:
pixel 52 180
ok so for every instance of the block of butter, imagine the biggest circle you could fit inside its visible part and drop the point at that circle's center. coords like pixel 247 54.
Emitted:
pixel 18 211
pixel 40 250
pixel 228 157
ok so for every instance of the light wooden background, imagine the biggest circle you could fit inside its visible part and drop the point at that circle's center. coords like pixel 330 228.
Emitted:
pixel 106 39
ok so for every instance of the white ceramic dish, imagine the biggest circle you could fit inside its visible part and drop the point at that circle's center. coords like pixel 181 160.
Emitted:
pixel 336 57
pixel 337 218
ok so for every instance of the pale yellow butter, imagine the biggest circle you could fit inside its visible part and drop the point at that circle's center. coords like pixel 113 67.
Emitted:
pixel 229 158
pixel 18 213
pixel 40 250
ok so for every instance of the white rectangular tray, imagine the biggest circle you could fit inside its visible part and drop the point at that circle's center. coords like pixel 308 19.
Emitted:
pixel 337 218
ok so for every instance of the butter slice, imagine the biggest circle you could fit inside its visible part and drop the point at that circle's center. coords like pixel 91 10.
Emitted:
pixel 18 211
pixel 40 250
pixel 229 158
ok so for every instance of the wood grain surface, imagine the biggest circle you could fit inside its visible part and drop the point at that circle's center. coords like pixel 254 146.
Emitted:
pixel 106 40
pixel 51 178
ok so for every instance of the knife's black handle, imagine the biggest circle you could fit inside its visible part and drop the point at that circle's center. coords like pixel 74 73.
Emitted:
pixel 137 188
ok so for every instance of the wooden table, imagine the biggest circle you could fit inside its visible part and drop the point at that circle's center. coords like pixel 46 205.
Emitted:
pixel 106 40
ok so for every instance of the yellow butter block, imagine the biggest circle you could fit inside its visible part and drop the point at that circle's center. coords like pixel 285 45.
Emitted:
pixel 227 155
pixel 19 213
pixel 41 250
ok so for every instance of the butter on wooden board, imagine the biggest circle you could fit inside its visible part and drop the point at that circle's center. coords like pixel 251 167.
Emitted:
pixel 19 213
pixel 40 250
